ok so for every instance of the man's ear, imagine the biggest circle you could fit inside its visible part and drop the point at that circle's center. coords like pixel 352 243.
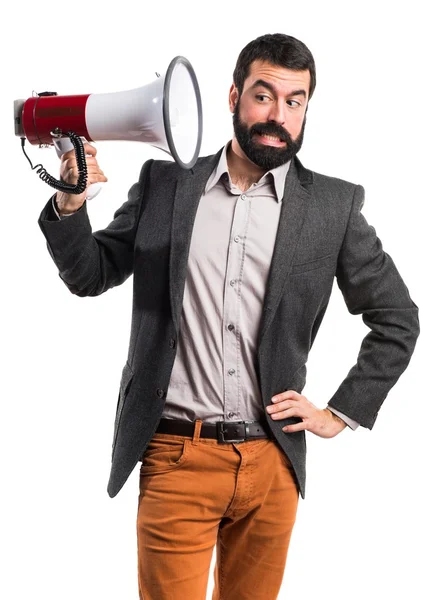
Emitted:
pixel 233 97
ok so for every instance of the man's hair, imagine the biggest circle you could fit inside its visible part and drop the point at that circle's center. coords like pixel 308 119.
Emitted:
pixel 278 49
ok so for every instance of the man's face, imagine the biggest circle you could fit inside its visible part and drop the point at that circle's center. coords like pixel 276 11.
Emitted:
pixel 269 116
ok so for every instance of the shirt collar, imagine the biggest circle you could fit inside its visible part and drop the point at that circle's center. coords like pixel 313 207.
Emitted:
pixel 278 174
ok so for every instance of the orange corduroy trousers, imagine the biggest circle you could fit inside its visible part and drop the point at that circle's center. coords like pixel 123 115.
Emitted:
pixel 195 494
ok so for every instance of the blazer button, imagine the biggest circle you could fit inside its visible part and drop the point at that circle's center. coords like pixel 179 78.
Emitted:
pixel 172 343
pixel 160 393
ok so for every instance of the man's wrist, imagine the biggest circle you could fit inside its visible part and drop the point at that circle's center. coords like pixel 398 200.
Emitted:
pixel 336 418
pixel 64 212
pixel 60 212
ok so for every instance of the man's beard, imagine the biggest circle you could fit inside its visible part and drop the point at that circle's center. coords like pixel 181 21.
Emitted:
pixel 266 157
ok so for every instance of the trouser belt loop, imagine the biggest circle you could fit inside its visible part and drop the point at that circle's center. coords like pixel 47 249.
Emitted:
pixel 197 432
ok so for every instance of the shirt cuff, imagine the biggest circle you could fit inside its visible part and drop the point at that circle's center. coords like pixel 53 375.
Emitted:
pixel 349 422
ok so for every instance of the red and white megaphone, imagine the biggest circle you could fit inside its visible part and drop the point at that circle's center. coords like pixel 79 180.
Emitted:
pixel 166 113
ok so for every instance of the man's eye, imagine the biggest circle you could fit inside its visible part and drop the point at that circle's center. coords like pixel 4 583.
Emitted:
pixel 262 97
pixel 293 103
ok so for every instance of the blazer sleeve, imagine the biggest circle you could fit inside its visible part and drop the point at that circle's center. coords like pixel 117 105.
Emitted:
pixel 372 287
pixel 91 263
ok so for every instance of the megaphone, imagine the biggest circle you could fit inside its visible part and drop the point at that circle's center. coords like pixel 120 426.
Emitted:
pixel 167 114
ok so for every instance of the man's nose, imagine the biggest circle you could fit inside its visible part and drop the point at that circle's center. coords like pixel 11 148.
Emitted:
pixel 277 114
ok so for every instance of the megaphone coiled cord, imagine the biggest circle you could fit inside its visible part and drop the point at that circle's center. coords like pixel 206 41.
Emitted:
pixel 63 186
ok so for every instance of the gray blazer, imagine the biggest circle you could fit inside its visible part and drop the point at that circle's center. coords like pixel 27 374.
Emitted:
pixel 321 235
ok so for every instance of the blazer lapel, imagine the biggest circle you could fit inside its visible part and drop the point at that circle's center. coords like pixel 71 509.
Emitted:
pixel 190 187
pixel 293 211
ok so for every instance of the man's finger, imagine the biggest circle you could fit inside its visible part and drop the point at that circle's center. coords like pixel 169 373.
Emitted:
pixel 285 413
pixel 90 150
pixel 288 394
pixel 283 405
pixel 294 427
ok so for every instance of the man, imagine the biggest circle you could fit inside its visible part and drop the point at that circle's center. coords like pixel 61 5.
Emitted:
pixel 233 264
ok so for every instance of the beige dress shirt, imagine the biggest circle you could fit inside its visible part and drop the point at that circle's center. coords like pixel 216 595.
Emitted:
pixel 214 376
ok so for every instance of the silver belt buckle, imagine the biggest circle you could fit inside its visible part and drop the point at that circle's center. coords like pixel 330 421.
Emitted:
pixel 231 429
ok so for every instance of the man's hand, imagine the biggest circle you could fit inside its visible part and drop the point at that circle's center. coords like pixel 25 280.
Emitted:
pixel 320 421
pixel 70 203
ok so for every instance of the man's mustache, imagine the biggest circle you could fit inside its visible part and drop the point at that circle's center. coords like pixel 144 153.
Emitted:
pixel 271 129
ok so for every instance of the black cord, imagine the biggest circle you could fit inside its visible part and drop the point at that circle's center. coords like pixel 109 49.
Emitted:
pixel 62 186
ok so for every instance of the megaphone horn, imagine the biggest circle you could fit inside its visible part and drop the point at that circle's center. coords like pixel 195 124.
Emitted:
pixel 166 113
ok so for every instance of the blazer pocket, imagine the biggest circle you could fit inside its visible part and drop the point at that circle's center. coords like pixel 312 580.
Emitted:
pixel 316 263
pixel 126 378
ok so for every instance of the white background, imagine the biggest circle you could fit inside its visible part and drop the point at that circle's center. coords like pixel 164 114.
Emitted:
pixel 366 526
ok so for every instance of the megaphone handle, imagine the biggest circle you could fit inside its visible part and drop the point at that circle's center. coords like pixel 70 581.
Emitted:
pixel 63 145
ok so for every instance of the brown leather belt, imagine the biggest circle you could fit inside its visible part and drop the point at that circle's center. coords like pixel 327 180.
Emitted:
pixel 225 432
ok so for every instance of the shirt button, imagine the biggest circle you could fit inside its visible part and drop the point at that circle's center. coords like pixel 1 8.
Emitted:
pixel 172 343
pixel 230 415
pixel 231 371
pixel 160 393
pixel 237 238
pixel 243 197
pixel 230 327
pixel 233 282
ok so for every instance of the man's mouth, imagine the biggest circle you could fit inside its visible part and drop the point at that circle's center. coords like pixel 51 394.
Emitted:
pixel 268 140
